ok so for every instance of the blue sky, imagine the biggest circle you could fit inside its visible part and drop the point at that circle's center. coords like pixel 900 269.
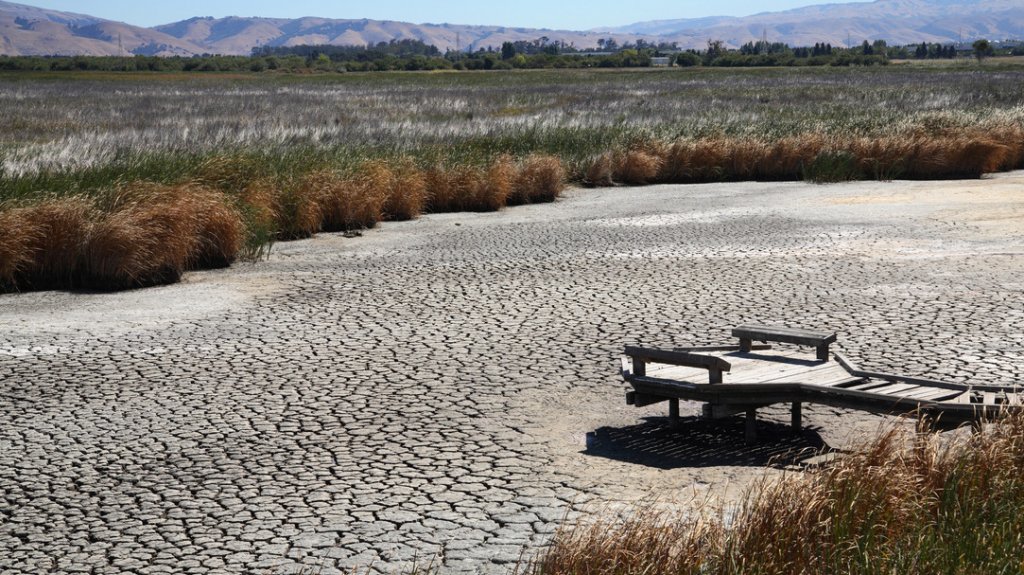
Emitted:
pixel 569 14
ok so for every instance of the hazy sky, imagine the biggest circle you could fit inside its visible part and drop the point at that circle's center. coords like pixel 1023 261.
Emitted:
pixel 569 14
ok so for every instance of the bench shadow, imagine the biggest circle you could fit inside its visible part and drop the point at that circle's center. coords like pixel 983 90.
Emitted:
pixel 696 442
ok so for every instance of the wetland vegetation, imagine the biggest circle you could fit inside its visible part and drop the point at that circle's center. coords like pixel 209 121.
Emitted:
pixel 91 164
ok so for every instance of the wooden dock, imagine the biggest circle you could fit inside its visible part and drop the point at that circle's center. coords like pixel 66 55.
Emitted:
pixel 743 378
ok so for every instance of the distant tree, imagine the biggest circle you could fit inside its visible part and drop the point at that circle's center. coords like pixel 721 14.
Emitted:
pixel 982 49
pixel 716 49
pixel 508 50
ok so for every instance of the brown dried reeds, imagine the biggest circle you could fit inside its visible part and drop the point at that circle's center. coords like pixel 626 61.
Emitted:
pixel 40 244
pixel 541 178
pixel 407 191
pixel 600 171
pixel 637 167
pixel 901 503
pixel 349 203
pixel 299 206
pixel 152 234
pixel 465 188
pixel 18 233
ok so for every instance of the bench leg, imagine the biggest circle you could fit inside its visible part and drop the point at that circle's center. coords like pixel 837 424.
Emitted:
pixel 745 345
pixel 797 416
pixel 673 412
pixel 823 352
pixel 750 433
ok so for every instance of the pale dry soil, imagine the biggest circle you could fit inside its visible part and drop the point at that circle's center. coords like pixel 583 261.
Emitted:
pixel 425 392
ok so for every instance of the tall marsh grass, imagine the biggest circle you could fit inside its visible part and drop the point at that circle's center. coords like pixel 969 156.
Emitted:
pixel 292 156
pixel 901 503
pixel 142 234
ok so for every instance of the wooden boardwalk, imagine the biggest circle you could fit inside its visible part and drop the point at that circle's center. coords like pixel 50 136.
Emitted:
pixel 746 377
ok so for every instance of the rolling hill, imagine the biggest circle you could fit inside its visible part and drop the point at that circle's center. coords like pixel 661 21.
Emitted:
pixel 27 30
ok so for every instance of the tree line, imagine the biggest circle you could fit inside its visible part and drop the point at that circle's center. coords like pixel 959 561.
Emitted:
pixel 539 53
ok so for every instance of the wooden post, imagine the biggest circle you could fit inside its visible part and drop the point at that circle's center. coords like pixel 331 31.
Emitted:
pixel 750 433
pixel 823 352
pixel 673 412
pixel 797 415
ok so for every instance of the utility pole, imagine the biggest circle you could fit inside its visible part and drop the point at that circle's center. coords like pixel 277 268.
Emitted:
pixel 764 40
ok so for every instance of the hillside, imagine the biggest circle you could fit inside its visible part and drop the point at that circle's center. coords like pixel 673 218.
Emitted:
pixel 896 21
pixel 27 30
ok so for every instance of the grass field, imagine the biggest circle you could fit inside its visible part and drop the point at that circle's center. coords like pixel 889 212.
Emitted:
pixel 288 156
pixel 915 505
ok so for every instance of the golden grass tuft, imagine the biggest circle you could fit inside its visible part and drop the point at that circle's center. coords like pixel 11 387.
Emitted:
pixel 63 224
pixel 299 205
pixel 467 188
pixel 407 193
pixel 637 167
pixel 600 172
pixel 18 235
pixel 541 178
pixel 154 233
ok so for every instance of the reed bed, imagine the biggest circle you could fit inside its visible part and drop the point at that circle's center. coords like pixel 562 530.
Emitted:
pixel 901 503
pixel 292 156
pixel 143 234
pixel 817 157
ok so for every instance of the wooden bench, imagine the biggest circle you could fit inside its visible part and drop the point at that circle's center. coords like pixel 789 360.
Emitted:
pixel 816 339
pixel 641 356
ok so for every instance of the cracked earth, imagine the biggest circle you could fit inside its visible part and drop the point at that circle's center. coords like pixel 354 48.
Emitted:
pixel 425 392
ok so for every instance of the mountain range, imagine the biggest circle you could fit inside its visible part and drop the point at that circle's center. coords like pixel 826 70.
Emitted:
pixel 28 30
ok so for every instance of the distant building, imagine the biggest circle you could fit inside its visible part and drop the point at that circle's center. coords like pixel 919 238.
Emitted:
pixel 660 62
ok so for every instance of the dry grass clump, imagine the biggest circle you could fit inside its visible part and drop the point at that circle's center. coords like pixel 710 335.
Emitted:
pixel 541 178
pixel 953 153
pixel 346 203
pixel 299 206
pixel 901 504
pixel 637 167
pixel 152 234
pixel 468 188
pixel 18 233
pixel 139 235
pixel 40 244
pixel 407 191
pixel 600 171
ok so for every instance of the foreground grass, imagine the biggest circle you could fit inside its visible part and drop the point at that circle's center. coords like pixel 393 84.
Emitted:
pixel 900 504
pixel 121 181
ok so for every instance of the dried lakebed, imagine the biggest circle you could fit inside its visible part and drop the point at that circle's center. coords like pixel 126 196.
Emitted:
pixel 425 391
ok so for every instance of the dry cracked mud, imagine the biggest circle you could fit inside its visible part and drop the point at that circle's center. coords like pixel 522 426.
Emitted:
pixel 424 392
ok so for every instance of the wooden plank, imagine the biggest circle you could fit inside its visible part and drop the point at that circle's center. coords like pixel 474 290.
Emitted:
pixel 822 371
pixel 836 381
pixel 939 395
pixel 679 373
pixel 652 355
pixel 784 335
pixel 893 389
